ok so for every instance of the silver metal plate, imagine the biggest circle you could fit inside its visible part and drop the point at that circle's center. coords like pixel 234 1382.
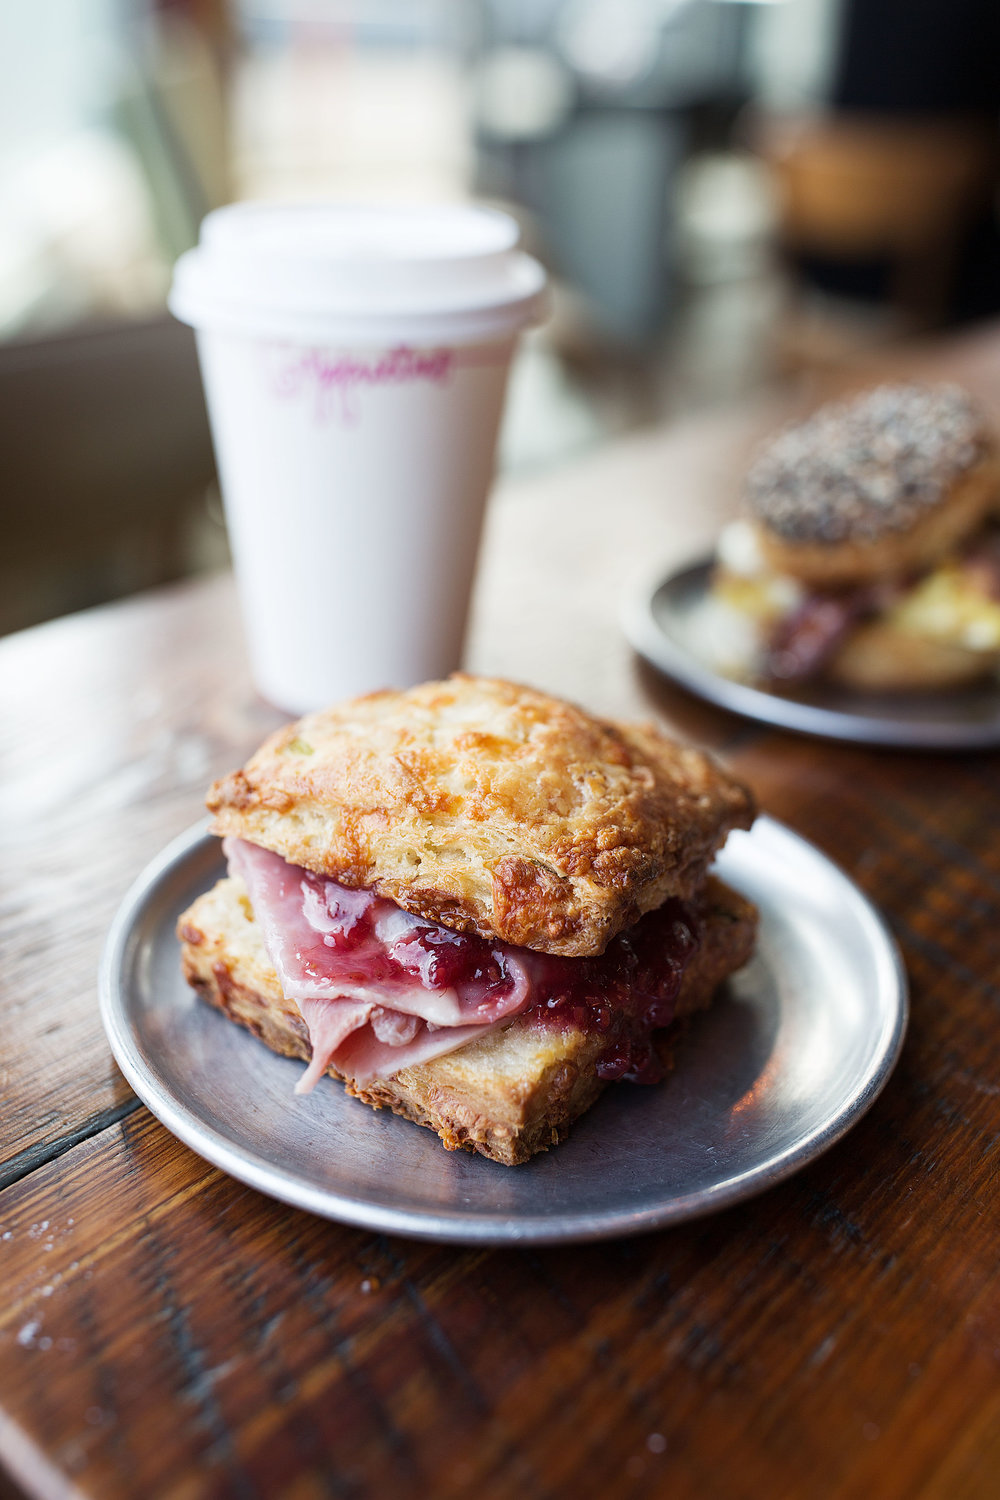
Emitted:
pixel 792 1052
pixel 658 621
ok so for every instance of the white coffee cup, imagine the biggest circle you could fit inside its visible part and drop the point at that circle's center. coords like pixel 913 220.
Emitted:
pixel 355 360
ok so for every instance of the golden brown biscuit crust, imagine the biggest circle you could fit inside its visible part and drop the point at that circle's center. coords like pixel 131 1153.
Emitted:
pixel 488 807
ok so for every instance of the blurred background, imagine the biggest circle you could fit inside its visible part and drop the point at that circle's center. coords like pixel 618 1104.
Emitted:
pixel 729 195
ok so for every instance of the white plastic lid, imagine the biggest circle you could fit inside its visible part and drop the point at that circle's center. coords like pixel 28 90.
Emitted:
pixel 319 272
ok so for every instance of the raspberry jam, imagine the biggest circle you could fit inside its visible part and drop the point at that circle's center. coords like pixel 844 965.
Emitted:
pixel 626 994
pixel 379 941
pixel 332 945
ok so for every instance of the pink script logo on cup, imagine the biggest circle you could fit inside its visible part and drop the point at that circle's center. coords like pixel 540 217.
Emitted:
pixel 335 380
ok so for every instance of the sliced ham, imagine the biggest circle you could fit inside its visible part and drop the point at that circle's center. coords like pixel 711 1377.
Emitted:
pixel 330 1023
pixel 364 1057
pixel 378 988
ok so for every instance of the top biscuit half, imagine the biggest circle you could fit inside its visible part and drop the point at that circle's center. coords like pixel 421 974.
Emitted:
pixel 877 485
pixel 490 808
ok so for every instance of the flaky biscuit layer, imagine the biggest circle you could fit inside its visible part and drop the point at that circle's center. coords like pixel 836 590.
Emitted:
pixel 488 807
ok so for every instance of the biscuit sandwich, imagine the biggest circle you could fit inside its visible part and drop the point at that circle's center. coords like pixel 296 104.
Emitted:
pixel 868 551
pixel 473 903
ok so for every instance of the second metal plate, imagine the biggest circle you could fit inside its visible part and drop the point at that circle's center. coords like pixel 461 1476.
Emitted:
pixel 658 621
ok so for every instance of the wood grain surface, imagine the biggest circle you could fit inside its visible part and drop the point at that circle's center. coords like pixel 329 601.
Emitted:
pixel 167 1332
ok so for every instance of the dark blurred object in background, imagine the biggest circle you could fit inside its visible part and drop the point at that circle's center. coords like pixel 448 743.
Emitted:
pixel 919 57
pixel 883 207
pixel 922 58
pixel 889 192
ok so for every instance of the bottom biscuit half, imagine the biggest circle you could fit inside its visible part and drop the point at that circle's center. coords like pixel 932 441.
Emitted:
pixel 508 1094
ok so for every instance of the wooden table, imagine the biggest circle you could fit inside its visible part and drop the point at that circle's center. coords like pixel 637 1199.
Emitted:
pixel 167 1332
